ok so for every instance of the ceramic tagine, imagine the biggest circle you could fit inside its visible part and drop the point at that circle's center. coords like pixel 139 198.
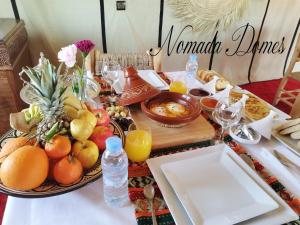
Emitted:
pixel 136 89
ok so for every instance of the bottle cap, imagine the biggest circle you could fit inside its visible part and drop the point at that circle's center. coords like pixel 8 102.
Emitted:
pixel 193 57
pixel 113 144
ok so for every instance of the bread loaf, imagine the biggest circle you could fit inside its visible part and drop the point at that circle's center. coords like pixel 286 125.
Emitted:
pixel 221 84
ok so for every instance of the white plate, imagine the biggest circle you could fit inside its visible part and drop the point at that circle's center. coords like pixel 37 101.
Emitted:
pixel 150 76
pixel 282 115
pixel 281 215
pixel 206 184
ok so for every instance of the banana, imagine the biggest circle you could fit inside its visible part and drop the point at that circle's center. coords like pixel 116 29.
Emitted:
pixel 74 102
pixel 33 112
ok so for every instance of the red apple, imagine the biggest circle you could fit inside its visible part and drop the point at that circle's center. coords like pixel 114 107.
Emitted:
pixel 99 135
pixel 102 117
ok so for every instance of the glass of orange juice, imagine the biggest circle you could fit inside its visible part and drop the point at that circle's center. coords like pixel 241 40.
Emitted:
pixel 138 144
pixel 178 86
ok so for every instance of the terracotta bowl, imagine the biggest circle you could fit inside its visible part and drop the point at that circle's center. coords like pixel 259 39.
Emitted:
pixel 190 103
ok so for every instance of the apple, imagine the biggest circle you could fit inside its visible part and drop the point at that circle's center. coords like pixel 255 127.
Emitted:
pixel 80 129
pixel 99 136
pixel 87 116
pixel 86 152
pixel 102 117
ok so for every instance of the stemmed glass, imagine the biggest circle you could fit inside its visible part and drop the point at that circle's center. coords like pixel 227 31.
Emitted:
pixel 227 114
pixel 111 74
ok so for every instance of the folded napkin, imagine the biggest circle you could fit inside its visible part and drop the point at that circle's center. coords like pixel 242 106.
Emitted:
pixel 223 94
pixel 211 85
pixel 149 76
pixel 265 125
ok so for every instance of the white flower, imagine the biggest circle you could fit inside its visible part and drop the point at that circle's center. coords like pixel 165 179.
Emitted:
pixel 68 55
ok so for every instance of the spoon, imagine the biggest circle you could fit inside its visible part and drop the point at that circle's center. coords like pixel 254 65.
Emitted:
pixel 149 194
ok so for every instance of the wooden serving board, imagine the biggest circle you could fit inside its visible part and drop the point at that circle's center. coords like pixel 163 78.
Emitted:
pixel 198 130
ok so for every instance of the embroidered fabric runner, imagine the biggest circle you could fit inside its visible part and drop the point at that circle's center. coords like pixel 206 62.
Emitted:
pixel 140 175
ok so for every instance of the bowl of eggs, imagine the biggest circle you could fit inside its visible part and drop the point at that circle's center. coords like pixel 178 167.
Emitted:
pixel 171 109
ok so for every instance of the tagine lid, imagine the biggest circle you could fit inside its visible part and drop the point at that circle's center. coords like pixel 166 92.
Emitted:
pixel 135 88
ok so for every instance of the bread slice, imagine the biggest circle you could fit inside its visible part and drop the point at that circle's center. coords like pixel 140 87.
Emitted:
pixel 296 135
pixel 290 130
pixel 289 123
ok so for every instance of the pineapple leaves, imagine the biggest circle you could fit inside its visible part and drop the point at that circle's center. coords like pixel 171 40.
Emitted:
pixel 33 76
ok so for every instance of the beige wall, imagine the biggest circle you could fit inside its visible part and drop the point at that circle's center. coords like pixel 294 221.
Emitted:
pixel 56 23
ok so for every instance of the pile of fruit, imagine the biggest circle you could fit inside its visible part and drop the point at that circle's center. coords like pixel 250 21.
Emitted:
pixel 66 138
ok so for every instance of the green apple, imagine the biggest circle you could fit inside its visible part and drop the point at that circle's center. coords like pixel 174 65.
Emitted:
pixel 86 152
pixel 80 129
pixel 87 116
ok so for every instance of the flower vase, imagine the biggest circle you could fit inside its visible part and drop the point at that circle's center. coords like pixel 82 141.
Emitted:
pixel 79 87
pixel 85 88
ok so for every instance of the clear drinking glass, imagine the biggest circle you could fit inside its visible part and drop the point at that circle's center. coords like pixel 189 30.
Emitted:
pixel 111 73
pixel 227 114
pixel 139 143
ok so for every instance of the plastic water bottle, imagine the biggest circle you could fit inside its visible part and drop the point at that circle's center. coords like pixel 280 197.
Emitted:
pixel 191 66
pixel 115 173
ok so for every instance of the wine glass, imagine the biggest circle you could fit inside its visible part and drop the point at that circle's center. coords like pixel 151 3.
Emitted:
pixel 227 114
pixel 111 74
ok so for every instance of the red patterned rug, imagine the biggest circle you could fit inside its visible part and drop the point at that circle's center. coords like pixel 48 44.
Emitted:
pixel 265 90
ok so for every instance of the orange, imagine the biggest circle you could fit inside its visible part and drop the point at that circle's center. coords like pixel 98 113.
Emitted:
pixel 25 169
pixel 12 145
pixel 58 147
pixel 68 170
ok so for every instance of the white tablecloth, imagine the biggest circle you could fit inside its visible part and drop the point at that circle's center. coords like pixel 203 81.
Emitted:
pixel 84 206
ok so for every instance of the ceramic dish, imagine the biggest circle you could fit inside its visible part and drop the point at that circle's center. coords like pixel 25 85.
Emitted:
pixel 198 93
pixel 183 109
pixel 281 115
pixel 51 188
pixel 136 89
pixel 219 180
pixel 208 103
pixel 281 215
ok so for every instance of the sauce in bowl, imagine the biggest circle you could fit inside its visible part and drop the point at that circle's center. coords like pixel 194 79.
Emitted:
pixel 209 103
pixel 198 93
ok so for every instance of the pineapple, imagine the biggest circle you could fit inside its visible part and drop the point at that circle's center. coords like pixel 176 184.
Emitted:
pixel 48 89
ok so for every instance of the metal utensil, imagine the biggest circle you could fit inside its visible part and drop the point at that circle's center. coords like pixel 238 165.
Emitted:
pixel 149 194
pixel 248 160
pixel 286 162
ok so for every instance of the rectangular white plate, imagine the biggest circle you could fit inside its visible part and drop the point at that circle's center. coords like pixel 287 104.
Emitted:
pixel 282 115
pixel 280 215
pixel 150 76
pixel 215 190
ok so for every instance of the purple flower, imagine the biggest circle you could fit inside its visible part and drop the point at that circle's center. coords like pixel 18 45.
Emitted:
pixel 85 46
